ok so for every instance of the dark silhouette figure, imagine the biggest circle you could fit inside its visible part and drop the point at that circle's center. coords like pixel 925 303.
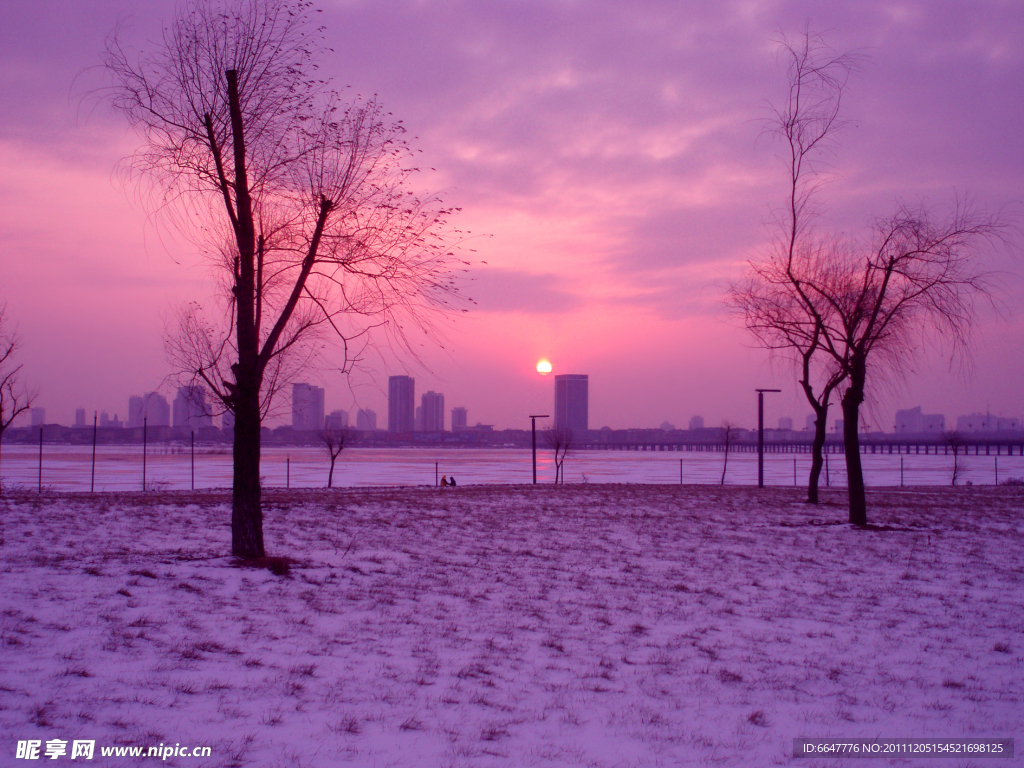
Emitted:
pixel 452 481
pixel 444 480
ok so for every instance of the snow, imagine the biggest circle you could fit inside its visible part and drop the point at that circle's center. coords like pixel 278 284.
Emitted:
pixel 587 625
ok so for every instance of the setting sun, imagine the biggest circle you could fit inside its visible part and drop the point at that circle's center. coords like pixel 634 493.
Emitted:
pixel 543 367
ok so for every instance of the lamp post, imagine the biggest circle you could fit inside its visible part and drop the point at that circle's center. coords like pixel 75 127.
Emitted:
pixel 760 434
pixel 533 430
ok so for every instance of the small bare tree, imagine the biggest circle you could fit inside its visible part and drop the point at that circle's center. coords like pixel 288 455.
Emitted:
pixel 727 435
pixel 301 200
pixel 560 440
pixel 955 441
pixel 334 442
pixel 15 396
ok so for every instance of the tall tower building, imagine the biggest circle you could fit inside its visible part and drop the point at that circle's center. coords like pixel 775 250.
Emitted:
pixel 572 402
pixel 80 417
pixel 190 409
pixel 459 418
pixel 307 407
pixel 401 403
pixel 433 412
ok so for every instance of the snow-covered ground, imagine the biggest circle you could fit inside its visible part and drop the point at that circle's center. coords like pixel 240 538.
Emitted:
pixel 587 625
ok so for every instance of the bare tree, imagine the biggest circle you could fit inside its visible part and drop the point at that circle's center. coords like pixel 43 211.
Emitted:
pixel 301 200
pixel 560 440
pixel 334 441
pixel 727 435
pixel 835 303
pixel 911 286
pixel 15 396
pixel 955 441
pixel 771 300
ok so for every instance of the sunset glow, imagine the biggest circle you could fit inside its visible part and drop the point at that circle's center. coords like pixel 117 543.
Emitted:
pixel 610 185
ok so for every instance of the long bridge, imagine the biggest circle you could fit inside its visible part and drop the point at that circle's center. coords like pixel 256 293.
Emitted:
pixel 966 446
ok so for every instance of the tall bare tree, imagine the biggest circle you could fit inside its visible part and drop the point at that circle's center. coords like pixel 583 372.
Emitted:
pixel 834 303
pixel 771 300
pixel 15 396
pixel 560 440
pixel 302 201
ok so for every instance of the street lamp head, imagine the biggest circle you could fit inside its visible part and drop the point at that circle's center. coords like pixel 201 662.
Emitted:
pixel 767 390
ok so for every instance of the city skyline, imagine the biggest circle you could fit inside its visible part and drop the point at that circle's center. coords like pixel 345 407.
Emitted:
pixel 612 176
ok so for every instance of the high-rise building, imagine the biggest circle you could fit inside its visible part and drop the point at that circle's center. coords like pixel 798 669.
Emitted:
pixel 572 402
pixel 152 407
pixel 433 411
pixel 336 420
pixel 80 417
pixel 696 422
pixel 307 407
pixel 460 416
pixel 38 416
pixel 401 403
pixel 190 408
pixel 227 422
pixel 785 423
pixel 366 419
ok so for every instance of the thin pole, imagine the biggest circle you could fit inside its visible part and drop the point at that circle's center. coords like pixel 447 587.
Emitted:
pixel 680 471
pixel 40 458
pixel 435 474
pixel 288 473
pixel 533 431
pixel 760 434
pixel 901 471
pixel 144 419
pixel 92 479
pixel 827 481
pixel 996 458
pixel 794 470
pixel 193 459
pixel 760 439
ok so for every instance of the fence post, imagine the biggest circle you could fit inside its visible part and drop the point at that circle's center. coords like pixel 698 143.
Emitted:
pixel 92 479
pixel 193 459
pixel 144 419
pixel 40 458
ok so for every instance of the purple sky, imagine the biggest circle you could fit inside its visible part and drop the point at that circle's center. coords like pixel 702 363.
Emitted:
pixel 610 157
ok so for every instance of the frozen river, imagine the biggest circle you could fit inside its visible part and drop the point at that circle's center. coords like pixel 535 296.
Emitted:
pixel 119 468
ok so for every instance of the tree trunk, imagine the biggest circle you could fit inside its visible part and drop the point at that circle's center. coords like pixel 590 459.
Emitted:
pixel 246 511
pixel 817 454
pixel 330 475
pixel 852 399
